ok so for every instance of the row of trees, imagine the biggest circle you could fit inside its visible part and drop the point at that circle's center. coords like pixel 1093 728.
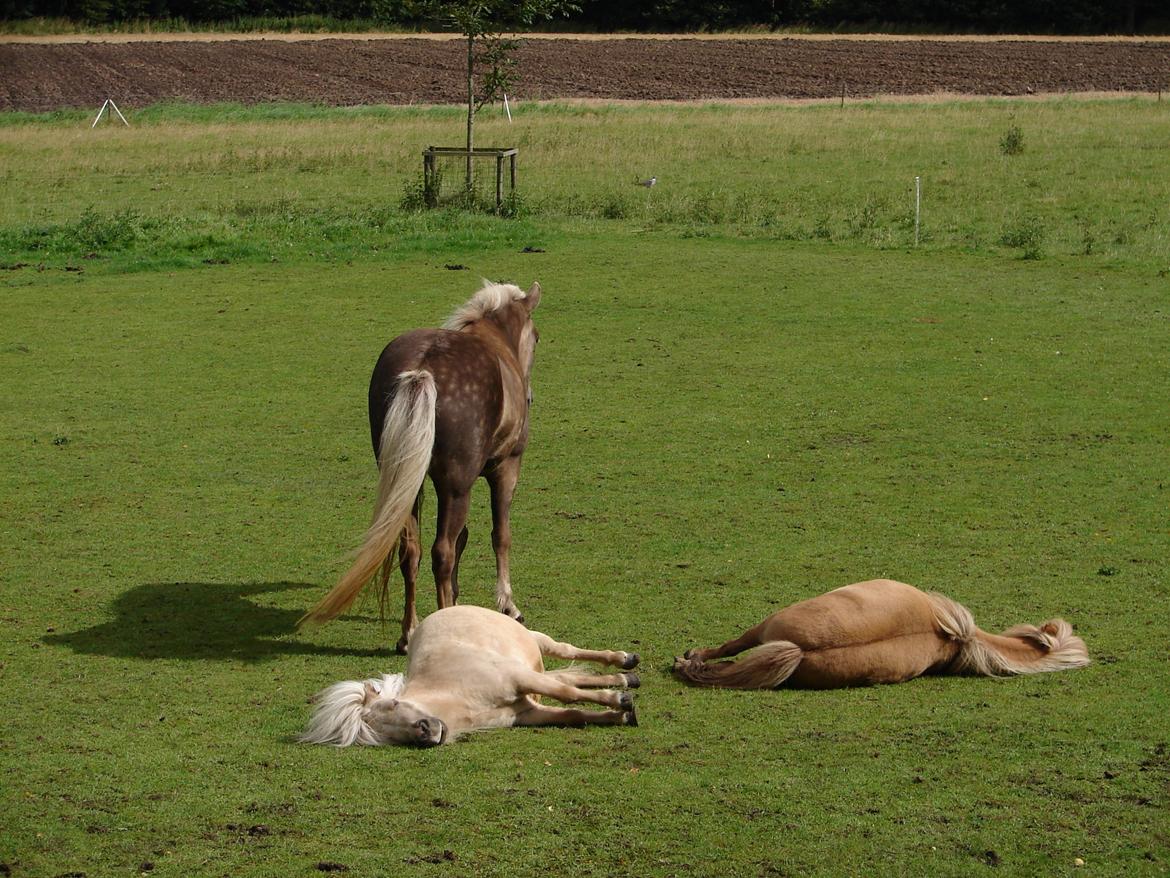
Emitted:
pixel 1002 16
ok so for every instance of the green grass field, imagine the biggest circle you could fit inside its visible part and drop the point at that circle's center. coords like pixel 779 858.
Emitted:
pixel 751 388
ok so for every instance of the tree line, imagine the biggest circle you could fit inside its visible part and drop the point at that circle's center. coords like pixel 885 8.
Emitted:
pixel 988 16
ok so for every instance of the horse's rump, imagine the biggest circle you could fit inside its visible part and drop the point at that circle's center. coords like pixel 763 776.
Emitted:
pixel 468 391
pixel 467 630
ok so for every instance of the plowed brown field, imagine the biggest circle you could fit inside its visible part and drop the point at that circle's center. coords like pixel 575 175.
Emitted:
pixel 41 76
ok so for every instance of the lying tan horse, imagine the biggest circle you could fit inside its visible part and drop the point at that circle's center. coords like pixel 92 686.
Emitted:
pixel 452 403
pixel 471 668
pixel 879 631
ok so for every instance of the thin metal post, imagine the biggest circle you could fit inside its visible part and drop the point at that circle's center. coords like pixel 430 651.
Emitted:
pixel 917 207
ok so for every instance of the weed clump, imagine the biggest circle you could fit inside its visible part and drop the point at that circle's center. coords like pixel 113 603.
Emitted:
pixel 1027 234
pixel 1012 142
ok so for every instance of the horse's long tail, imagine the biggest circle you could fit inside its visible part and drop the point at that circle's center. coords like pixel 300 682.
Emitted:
pixel 408 437
pixel 1022 649
pixel 765 667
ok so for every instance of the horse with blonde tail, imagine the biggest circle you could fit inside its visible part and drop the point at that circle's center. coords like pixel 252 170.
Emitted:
pixel 879 631
pixel 451 403
pixel 472 668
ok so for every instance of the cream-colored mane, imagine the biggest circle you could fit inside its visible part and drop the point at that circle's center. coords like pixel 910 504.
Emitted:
pixel 489 298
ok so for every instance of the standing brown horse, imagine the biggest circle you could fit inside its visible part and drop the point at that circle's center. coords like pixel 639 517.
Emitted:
pixel 879 631
pixel 452 403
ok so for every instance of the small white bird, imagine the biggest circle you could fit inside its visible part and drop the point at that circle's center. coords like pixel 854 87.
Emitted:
pixel 648 183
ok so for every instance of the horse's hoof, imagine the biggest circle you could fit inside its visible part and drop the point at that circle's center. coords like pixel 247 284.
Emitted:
pixel 632 660
pixel 633 681
pixel 401 646
pixel 630 717
pixel 626 701
pixel 689 654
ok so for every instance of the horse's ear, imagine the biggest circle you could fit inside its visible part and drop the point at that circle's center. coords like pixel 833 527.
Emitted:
pixel 532 297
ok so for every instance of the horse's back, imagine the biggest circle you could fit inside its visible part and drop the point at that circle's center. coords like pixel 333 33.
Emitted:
pixel 880 631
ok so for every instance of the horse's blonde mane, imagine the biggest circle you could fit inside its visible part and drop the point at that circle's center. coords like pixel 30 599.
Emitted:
pixel 488 298
pixel 1059 648
pixel 337 717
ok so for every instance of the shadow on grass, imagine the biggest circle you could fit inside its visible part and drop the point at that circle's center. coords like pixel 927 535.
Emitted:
pixel 199 620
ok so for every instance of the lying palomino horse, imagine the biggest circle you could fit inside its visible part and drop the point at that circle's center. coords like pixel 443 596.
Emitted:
pixel 451 402
pixel 879 631
pixel 471 668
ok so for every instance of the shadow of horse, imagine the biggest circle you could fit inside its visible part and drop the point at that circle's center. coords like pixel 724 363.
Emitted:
pixel 199 620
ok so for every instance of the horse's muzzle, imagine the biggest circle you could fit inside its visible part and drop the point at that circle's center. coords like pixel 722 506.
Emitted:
pixel 430 732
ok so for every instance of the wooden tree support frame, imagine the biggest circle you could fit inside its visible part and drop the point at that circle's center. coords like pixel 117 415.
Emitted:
pixel 430 177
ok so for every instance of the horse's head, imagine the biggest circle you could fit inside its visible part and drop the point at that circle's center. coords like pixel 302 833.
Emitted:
pixel 363 712
pixel 397 721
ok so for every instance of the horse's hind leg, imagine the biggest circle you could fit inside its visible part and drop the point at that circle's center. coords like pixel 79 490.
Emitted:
pixel 537 683
pixel 548 646
pixel 586 680
pixel 453 506
pixel 542 715
pixel 752 637
pixel 502 482
pixel 409 554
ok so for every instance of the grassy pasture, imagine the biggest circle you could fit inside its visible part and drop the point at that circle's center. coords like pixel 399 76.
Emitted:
pixel 731 414
pixel 189 184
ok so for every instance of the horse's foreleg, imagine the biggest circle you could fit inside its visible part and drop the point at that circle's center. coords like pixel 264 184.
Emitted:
pixel 409 555
pixel 751 637
pixel 542 715
pixel 444 553
pixel 586 680
pixel 556 649
pixel 502 481
pixel 537 683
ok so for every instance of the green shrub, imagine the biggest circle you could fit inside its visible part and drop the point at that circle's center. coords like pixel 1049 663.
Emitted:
pixel 1012 142
pixel 1027 234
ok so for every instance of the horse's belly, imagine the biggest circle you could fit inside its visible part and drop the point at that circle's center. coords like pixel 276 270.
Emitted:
pixel 893 660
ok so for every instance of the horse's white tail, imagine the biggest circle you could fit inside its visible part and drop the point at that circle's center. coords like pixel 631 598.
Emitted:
pixel 408 436
pixel 765 667
pixel 1022 649
pixel 337 716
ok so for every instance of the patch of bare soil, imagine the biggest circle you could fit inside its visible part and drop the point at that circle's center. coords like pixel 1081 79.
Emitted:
pixel 42 76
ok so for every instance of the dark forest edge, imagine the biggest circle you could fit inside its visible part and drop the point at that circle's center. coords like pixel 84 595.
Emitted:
pixel 913 17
